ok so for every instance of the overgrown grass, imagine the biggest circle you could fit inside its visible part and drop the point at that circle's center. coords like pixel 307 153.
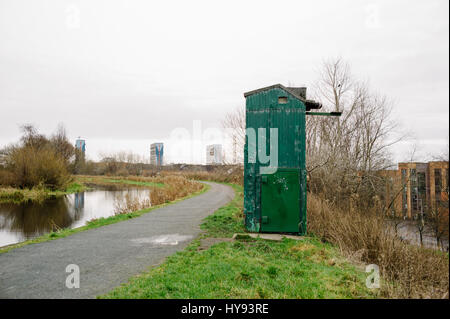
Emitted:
pixel 408 271
pixel 132 182
pixel 16 195
pixel 248 268
pixel 99 222
pixel 233 175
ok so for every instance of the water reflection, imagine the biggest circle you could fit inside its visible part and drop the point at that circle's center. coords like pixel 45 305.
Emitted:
pixel 79 201
pixel 19 222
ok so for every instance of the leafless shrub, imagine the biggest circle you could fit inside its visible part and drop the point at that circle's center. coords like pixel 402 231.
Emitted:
pixel 408 271
pixel 121 163
pixel 437 219
pixel 175 187
pixel 37 160
pixel 128 204
pixel 233 175
pixel 35 167
pixel 61 145
pixel 234 124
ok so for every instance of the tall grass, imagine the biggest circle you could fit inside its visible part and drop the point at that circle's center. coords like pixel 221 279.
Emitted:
pixel 129 203
pixel 32 167
pixel 231 175
pixel 408 271
pixel 175 187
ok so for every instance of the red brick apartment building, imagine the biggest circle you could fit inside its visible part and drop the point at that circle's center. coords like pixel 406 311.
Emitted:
pixel 417 187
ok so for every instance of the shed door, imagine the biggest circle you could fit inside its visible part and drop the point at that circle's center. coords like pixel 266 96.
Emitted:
pixel 280 201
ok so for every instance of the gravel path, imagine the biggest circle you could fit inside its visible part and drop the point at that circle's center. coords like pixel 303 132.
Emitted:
pixel 109 255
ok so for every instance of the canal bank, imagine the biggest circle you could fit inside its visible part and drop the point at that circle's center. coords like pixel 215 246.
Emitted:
pixel 109 255
pixel 28 220
pixel 63 216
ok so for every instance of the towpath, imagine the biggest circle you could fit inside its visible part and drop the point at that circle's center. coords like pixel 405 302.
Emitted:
pixel 106 256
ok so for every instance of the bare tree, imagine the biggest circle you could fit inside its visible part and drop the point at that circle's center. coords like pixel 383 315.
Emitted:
pixel 437 220
pixel 122 163
pixel 32 138
pixel 438 212
pixel 344 155
pixel 234 125
pixel 61 144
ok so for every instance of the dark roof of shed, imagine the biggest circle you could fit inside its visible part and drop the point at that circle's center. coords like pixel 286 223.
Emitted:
pixel 297 92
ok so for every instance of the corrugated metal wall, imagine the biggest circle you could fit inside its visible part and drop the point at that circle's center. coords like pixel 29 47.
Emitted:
pixel 264 111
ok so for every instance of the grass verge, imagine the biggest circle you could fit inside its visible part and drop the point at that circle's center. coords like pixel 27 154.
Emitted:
pixel 248 268
pixel 136 183
pixel 97 223
pixel 16 195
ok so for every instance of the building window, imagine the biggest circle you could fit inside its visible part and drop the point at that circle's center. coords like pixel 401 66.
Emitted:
pixel 437 186
pixel 282 100
pixel 446 174
pixel 422 191
pixel 404 193
pixel 414 190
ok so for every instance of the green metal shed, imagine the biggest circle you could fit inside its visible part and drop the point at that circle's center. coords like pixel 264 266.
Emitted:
pixel 274 159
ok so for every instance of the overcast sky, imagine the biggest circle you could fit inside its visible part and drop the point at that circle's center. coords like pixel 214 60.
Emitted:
pixel 124 74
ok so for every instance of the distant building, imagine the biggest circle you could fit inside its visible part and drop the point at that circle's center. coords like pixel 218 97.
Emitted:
pixel 157 154
pixel 2 159
pixel 214 154
pixel 417 187
pixel 81 146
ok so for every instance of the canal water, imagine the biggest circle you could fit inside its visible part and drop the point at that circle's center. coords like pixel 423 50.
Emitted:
pixel 20 222
pixel 407 230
